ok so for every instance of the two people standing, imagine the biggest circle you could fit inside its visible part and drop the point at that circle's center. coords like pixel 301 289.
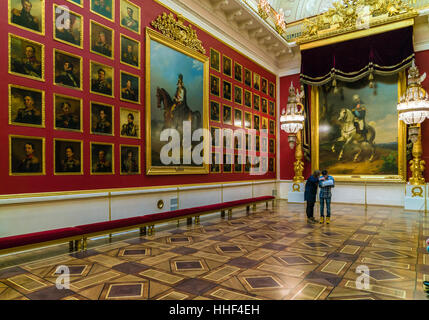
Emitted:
pixel 326 183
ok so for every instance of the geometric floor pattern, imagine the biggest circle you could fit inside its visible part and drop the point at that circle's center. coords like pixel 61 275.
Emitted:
pixel 268 254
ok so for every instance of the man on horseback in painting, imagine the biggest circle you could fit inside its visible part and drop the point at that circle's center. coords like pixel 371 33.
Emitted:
pixel 180 96
pixel 359 111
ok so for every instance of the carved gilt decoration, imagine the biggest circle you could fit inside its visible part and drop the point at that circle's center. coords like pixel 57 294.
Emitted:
pixel 176 30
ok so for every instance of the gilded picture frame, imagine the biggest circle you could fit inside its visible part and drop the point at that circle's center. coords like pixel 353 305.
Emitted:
pixel 59 78
pixel 124 12
pixel 95 118
pixel 17 92
pixel 13 11
pixel 39 155
pixel 134 80
pixel 127 147
pixel 64 120
pixel 213 131
pixel 61 38
pixel 227 66
pixel 96 82
pixel 102 12
pixel 102 146
pixel 94 27
pixel 214 111
pixel 238 166
pixel 402 134
pixel 125 41
pixel 56 156
pixel 215 163
pixel 79 3
pixel 133 132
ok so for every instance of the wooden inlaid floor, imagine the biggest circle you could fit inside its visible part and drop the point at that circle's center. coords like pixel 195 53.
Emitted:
pixel 268 254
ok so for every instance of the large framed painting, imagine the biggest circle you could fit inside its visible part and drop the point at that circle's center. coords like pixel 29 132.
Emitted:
pixel 356 133
pixel 177 105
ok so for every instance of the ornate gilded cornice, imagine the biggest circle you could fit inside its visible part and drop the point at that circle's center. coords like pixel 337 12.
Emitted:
pixel 353 15
pixel 176 30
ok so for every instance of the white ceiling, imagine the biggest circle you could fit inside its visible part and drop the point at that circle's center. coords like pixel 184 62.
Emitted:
pixel 299 9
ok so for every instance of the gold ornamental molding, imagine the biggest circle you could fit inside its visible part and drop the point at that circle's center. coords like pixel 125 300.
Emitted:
pixel 355 15
pixel 177 31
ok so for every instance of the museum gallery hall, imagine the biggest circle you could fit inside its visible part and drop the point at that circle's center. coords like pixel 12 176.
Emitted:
pixel 214 150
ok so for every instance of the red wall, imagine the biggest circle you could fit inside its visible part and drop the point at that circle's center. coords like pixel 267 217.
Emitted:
pixel 49 182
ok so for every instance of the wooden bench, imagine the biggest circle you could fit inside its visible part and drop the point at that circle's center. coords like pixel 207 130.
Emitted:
pixel 77 236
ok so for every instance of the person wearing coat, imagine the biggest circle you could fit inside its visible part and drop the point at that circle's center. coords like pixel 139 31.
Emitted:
pixel 310 195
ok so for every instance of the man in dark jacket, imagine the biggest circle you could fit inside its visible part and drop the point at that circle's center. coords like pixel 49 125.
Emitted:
pixel 310 195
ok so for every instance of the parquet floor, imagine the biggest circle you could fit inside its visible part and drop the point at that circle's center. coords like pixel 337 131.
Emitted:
pixel 268 254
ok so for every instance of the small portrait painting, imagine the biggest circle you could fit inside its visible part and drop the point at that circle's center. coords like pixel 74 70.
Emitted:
pixel 238 72
pixel 227 66
pixel 264 124
pixel 214 111
pixel 227 138
pixel 247 98
pixel 256 81
pixel 68 156
pixel 227 115
pixel 101 119
pixel 271 164
pixel 130 51
pixel 256 122
pixel 227 163
pixel 130 159
pixel 264 164
pixel 248 142
pixel 238 167
pixel 68 113
pixel 238 140
pixel 77 2
pixel 26 106
pixel 26 58
pixel 130 85
pixel 248 164
pixel 68 26
pixel 101 40
pixel 102 158
pixel 214 85
pixel 271 108
pixel 247 120
pixel 271 146
pixel 271 90
pixel 264 147
pixel 27 155
pixel 227 90
pixel 264 85
pixel 130 16
pixel 247 77
pixel 215 133
pixel 104 8
pixel 68 70
pixel 272 127
pixel 238 118
pixel 130 123
pixel 215 163
pixel 28 14
pixel 101 79
pixel 256 102
pixel 214 59
pixel 238 95
pixel 257 144
pixel 264 105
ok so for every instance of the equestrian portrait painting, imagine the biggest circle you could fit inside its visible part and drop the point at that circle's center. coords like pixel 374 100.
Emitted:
pixel 176 107
pixel 358 135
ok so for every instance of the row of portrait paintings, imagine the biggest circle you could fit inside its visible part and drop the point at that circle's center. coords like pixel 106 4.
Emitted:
pixel 255 82
pixel 240 138
pixel 27 108
pixel 239 97
pixel 26 59
pixel 27 157
pixel 68 26
pixel 253 164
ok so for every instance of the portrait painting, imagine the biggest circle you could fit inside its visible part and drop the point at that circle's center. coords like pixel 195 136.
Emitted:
pixel 214 111
pixel 26 155
pixel 26 106
pixel 264 85
pixel 101 79
pixel 256 102
pixel 227 115
pixel 130 52
pixel 238 167
pixel 238 95
pixel 256 81
pixel 28 14
pixel 102 119
pixel 102 39
pixel 271 164
pixel 215 133
pixel 248 142
pixel 130 159
pixel 238 118
pixel 227 90
pixel 257 143
pixel 264 125
pixel 271 90
pixel 264 105
pixel 26 58
pixel 271 146
pixel 77 2
pixel 238 72
pixel 271 127
pixel 214 85
pixel 247 99
pixel 248 77
pixel 264 165
pixel 238 139
pixel 68 26
pixel 227 162
pixel 215 163
pixel 130 16
pixel 227 66
pixel 227 138
pixel 102 159
pixel 67 70
pixel 247 120
pixel 256 123
pixel 176 98
pixel 104 8
pixel 248 164
pixel 130 85
pixel 67 113
pixel 264 147
pixel 214 59
pixel 68 157
pixel 130 123
pixel 358 133
pixel 271 108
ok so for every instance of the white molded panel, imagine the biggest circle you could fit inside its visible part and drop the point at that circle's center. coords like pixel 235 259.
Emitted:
pixel 263 189
pixel 196 198
pixel 386 194
pixel 237 193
